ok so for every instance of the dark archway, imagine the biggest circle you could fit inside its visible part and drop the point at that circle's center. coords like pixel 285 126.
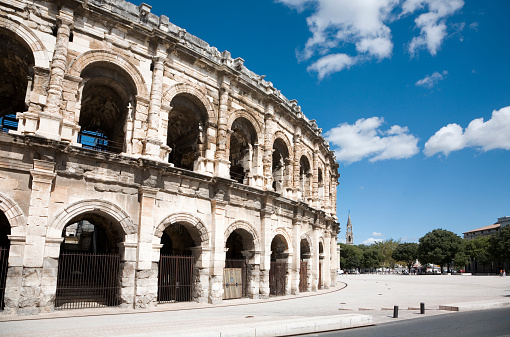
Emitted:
pixel 108 98
pixel 16 77
pixel 321 259
pixel 280 165
pixel 5 230
pixel 242 141
pixel 279 267
pixel 238 270
pixel 186 131
pixel 305 254
pixel 89 263
pixel 176 275
pixel 305 175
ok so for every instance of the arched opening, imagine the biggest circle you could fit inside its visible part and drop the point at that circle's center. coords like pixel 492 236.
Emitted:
pixel 107 100
pixel 320 181
pixel 304 257
pixel 89 263
pixel 176 276
pixel 5 230
pixel 305 175
pixel 280 165
pixel 237 272
pixel 186 131
pixel 242 141
pixel 278 270
pixel 16 77
pixel 321 259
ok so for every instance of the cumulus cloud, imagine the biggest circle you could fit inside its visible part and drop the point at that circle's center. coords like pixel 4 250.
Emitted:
pixel 486 136
pixel 430 81
pixel 376 234
pixel 370 241
pixel 432 23
pixel 366 139
pixel 364 24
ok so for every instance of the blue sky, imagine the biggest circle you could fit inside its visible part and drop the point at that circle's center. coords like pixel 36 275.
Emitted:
pixel 400 89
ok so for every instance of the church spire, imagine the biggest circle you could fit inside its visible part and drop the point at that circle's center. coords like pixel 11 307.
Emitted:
pixel 349 238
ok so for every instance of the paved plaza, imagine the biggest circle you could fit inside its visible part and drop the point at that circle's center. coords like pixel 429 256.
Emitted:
pixel 356 301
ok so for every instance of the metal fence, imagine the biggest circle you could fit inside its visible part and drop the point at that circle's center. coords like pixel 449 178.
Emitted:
pixel 277 278
pixel 4 256
pixel 87 281
pixel 8 122
pixel 175 282
pixel 96 140
pixel 235 279
pixel 303 277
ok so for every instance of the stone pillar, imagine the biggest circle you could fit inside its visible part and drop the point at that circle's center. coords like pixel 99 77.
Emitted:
pixel 296 261
pixel 145 297
pixel 269 127
pixel 139 125
pixel 265 241
pixel 71 109
pixel 128 254
pixel 253 273
pixel 315 180
pixel 296 164
pixel 221 161
pixel 14 280
pixel 335 263
pixel 50 274
pixel 152 146
pixel 202 267
pixel 218 250
pixel 326 263
pixel 42 180
pixel 50 119
pixel 290 273
pixel 315 258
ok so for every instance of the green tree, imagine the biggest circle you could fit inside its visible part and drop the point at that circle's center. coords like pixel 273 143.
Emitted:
pixel 478 250
pixel 407 253
pixel 499 245
pixel 372 258
pixel 386 249
pixel 350 256
pixel 439 247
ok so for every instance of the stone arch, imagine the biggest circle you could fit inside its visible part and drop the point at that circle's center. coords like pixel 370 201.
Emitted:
pixel 308 239
pixel 241 224
pixel 245 114
pixel 320 245
pixel 280 135
pixel 92 56
pixel 288 240
pixel 40 53
pixel 186 219
pixel 101 207
pixel 14 215
pixel 184 88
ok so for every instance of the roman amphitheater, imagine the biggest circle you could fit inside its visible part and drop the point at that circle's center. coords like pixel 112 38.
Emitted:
pixel 140 165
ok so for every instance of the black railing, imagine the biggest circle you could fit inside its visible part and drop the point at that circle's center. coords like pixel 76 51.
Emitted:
pixel 8 122
pixel 4 256
pixel 175 282
pixel 87 281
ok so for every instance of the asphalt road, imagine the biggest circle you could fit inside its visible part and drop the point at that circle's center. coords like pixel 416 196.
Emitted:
pixel 487 323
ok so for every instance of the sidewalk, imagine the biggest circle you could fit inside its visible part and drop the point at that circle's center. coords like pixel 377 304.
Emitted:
pixel 359 300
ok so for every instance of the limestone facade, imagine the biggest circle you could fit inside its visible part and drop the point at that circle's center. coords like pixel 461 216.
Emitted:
pixel 130 123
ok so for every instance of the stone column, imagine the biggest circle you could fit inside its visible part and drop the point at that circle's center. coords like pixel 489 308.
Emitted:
pixel 335 265
pixel 50 119
pixel 296 165
pixel 265 241
pixel 315 258
pixel 141 113
pixel 290 273
pixel 218 253
pixel 152 148
pixel 128 255
pixel 50 274
pixel 222 162
pixel 253 273
pixel 269 127
pixel 42 180
pixel 144 295
pixel 14 280
pixel 202 268
pixel 296 261
pixel 326 263
pixel 315 180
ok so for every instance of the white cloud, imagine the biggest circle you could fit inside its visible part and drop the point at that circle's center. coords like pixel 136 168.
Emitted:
pixel 486 136
pixel 365 139
pixel 430 81
pixel 376 234
pixel 336 24
pixel 432 24
pixel 371 241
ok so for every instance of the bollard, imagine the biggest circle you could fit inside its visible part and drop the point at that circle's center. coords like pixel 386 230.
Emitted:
pixel 395 311
pixel 422 308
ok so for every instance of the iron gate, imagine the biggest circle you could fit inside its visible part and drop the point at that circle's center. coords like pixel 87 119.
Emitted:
pixel 4 256
pixel 87 281
pixel 303 277
pixel 175 282
pixel 235 279
pixel 277 278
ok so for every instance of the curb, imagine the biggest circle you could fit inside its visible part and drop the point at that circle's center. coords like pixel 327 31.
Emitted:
pixel 287 327
pixel 479 305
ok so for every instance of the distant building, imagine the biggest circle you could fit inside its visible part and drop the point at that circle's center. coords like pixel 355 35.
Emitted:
pixel 349 238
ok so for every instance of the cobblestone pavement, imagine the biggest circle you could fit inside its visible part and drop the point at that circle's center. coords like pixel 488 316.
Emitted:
pixel 372 295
